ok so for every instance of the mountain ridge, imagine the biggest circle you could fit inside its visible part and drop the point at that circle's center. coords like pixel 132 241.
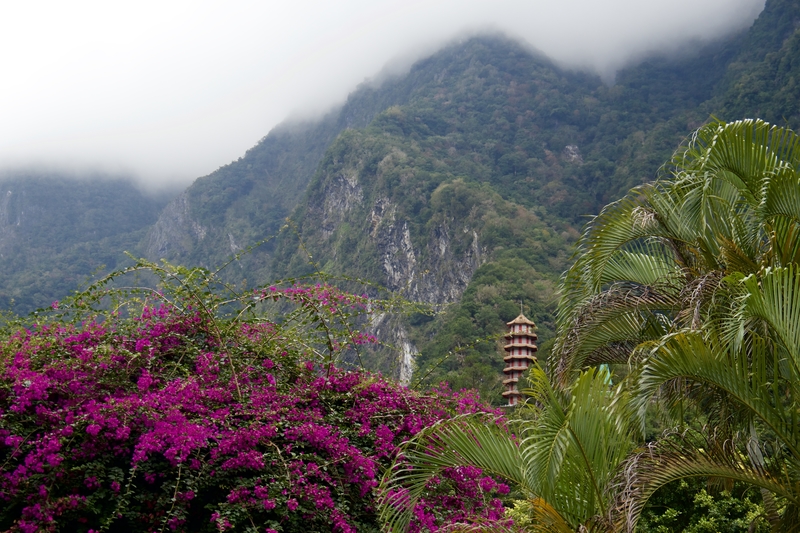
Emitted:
pixel 464 181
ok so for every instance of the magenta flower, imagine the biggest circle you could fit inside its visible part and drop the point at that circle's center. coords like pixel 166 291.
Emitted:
pixel 159 421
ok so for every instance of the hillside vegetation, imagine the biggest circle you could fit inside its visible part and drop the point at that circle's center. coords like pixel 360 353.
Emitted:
pixel 462 182
pixel 473 192
pixel 56 231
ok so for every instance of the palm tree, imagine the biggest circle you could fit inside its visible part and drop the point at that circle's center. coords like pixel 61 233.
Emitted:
pixel 652 262
pixel 561 459
pixel 694 281
pixel 752 356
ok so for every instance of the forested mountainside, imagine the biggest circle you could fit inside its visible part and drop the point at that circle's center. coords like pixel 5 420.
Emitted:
pixel 764 78
pixel 479 184
pixel 246 201
pixel 242 202
pixel 56 231
pixel 465 180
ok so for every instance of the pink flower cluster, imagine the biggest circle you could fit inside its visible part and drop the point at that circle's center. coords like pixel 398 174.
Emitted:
pixel 318 296
pixel 462 495
pixel 176 421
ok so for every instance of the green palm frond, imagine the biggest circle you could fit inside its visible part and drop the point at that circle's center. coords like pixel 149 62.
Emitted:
pixel 747 149
pixel 575 444
pixel 782 194
pixel 563 459
pixel 681 455
pixel 645 264
pixel 619 224
pixel 625 241
pixel 774 298
pixel 785 241
pixel 679 223
pixel 610 325
pixel 730 204
pixel 750 381
pixel 475 440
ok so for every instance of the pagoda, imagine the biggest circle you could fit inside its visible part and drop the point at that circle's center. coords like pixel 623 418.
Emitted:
pixel 520 349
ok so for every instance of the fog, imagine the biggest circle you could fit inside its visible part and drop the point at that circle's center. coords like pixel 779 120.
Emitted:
pixel 169 91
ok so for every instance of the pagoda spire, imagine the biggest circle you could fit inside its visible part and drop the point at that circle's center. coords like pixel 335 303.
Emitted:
pixel 520 349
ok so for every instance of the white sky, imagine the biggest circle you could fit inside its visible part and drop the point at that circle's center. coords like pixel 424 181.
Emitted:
pixel 168 91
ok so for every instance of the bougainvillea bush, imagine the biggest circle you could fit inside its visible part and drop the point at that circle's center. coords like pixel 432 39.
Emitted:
pixel 180 409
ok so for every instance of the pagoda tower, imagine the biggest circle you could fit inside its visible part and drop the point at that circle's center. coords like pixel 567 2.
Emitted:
pixel 520 349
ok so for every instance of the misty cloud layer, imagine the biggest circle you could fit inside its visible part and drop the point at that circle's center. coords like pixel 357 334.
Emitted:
pixel 169 91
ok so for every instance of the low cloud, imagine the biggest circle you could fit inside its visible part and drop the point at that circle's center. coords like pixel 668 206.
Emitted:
pixel 169 91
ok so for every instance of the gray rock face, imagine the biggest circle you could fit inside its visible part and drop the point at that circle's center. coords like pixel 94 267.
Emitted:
pixel 439 276
pixel 393 242
pixel 392 331
pixel 8 222
pixel 175 232
pixel 436 277
pixel 342 194
pixel 572 154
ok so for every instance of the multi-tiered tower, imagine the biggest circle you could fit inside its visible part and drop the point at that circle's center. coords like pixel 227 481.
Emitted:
pixel 520 349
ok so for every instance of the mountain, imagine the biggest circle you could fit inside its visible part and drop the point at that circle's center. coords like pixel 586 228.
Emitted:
pixel 55 231
pixel 465 181
pixel 472 192
pixel 247 200
pixel 764 78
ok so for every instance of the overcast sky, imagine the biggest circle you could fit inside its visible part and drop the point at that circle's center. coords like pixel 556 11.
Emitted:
pixel 169 91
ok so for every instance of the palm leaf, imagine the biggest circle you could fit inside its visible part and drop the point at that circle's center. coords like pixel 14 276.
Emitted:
pixel 574 445
pixel 746 149
pixel 474 440
pixel 773 298
pixel 682 455
pixel 610 325
pixel 688 355
pixel 646 265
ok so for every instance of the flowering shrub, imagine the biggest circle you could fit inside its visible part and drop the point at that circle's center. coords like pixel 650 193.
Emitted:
pixel 462 494
pixel 179 417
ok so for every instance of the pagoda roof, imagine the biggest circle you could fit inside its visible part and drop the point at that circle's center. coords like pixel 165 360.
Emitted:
pixel 510 380
pixel 509 369
pixel 521 319
pixel 528 357
pixel 512 393
pixel 521 345
pixel 511 334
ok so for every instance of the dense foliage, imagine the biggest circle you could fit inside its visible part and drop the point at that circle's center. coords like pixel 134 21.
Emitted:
pixel 188 411
pixel 763 78
pixel 691 506
pixel 57 230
